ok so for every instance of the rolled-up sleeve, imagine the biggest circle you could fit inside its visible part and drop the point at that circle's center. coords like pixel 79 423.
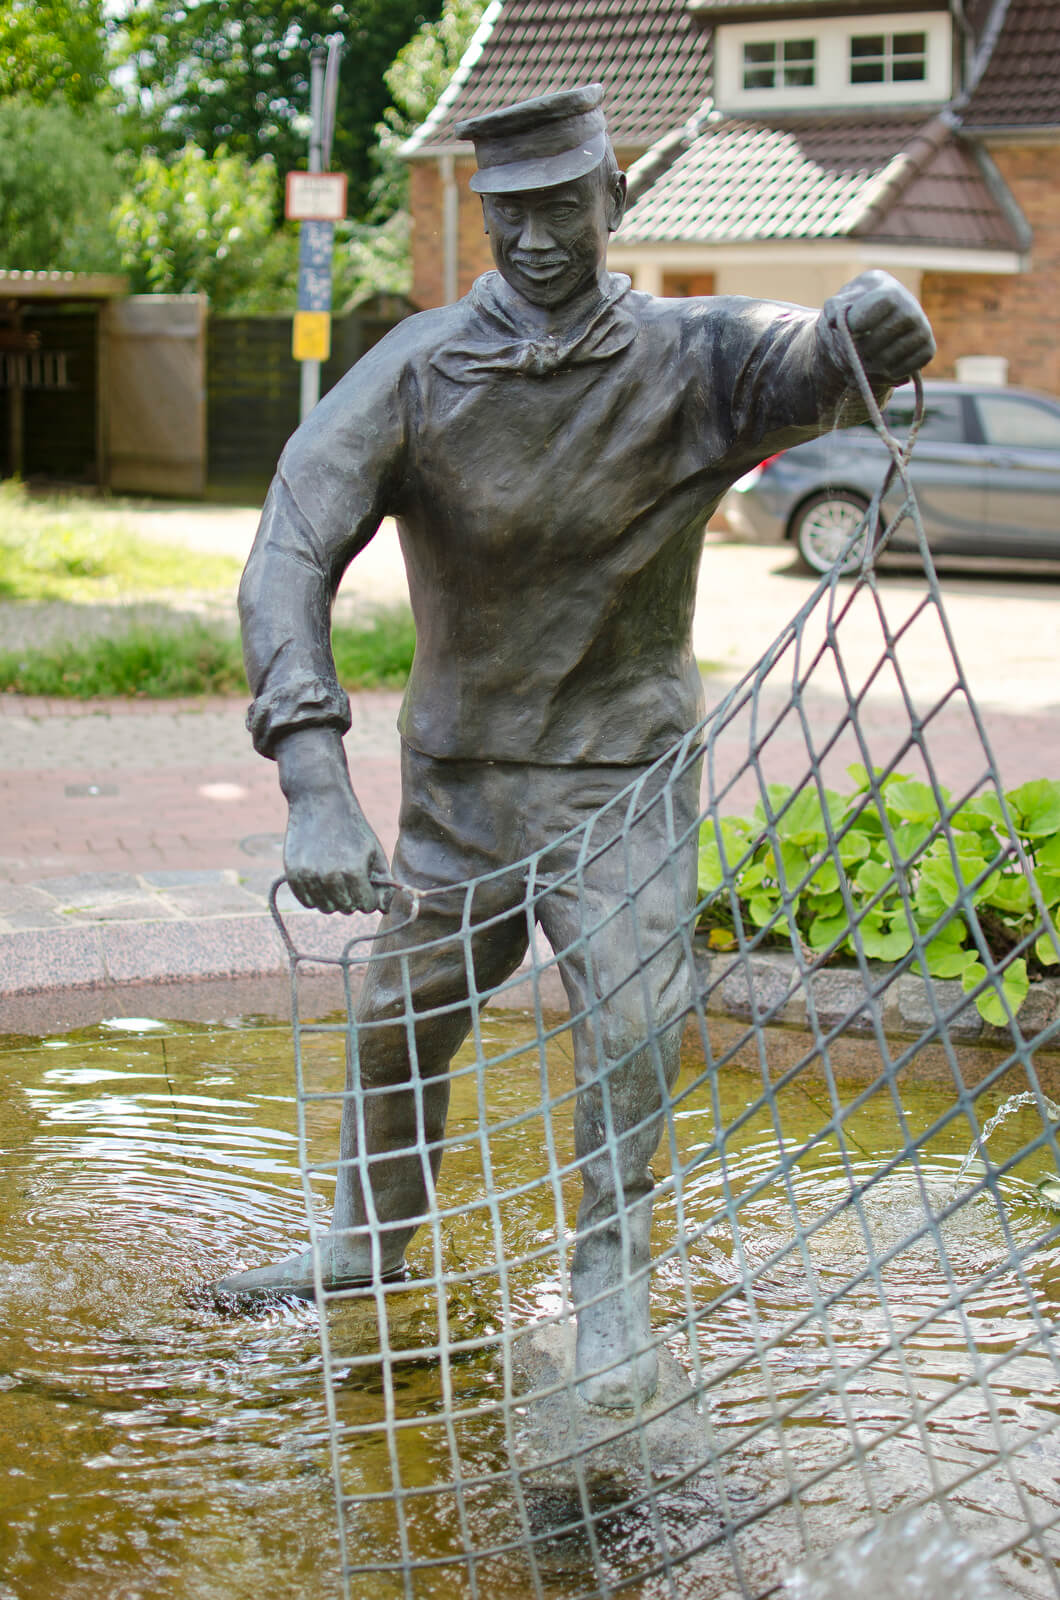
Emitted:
pixel 336 480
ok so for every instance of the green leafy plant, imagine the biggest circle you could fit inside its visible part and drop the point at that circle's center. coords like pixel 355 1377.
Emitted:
pixel 843 872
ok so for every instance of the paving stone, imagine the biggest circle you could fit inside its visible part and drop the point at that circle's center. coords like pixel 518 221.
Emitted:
pixel 840 997
pixel 25 897
pixel 15 921
pixel 180 877
pixel 916 1009
pixel 93 888
pixel 259 880
pixel 1041 1007
pixel 50 958
pixel 168 951
pixel 214 900
pixel 762 988
pixel 141 908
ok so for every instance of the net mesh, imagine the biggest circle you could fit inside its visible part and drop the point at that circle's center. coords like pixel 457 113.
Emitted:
pixel 852 1267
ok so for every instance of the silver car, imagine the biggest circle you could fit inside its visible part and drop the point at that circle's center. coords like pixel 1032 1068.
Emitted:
pixel 985 467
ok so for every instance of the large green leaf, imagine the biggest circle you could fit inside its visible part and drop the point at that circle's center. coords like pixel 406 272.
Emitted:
pixel 1014 985
pixel 1048 887
pixel 854 846
pixel 892 945
pixel 1047 946
pixel 911 801
pixel 710 874
pixel 981 813
pixel 1036 806
pixel 826 930
pixel 873 876
pixel 1047 853
pixel 1010 894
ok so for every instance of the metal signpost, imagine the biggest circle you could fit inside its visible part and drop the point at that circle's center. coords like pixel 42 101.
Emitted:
pixel 317 199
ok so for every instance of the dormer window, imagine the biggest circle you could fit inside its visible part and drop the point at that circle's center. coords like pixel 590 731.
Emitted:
pixel 830 63
pixel 888 58
pixel 780 64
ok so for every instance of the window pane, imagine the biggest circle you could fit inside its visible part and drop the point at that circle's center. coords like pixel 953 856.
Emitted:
pixel 943 418
pixel 867 44
pixel 1019 424
pixel 910 44
pixel 866 72
pixel 799 49
pixel 909 71
pixel 759 70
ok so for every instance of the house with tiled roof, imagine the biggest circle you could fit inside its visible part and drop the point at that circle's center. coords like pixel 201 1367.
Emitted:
pixel 779 147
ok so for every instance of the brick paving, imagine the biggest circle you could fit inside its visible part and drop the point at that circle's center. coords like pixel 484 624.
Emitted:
pixel 139 839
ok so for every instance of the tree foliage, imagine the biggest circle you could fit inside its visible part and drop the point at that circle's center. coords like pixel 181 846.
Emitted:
pixel 53 49
pixel 236 73
pixel 198 223
pixel 417 78
pixel 58 182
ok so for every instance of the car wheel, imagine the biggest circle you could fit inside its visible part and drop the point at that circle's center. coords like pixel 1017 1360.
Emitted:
pixel 824 525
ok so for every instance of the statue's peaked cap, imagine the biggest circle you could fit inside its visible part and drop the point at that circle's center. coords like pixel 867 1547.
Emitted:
pixel 539 143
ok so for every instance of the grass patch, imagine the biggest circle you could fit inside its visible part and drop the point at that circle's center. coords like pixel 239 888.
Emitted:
pixel 197 658
pixel 375 654
pixel 152 663
pixel 62 549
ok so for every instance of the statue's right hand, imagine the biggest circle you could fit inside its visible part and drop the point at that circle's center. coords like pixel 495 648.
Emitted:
pixel 333 860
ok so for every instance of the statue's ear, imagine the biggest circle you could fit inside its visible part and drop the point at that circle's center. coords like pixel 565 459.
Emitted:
pixel 618 201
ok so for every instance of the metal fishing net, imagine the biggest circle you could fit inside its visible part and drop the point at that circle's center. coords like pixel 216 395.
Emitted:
pixel 834 1316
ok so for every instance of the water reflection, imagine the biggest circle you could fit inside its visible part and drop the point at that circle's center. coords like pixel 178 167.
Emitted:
pixel 856 1357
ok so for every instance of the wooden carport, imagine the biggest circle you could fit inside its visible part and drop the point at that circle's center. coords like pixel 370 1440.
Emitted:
pixel 99 387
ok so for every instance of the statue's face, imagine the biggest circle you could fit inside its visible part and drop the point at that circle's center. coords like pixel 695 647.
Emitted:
pixel 550 243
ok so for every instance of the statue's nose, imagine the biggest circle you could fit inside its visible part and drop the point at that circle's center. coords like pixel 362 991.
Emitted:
pixel 536 234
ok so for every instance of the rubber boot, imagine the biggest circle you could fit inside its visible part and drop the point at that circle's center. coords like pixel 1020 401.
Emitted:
pixel 344 1264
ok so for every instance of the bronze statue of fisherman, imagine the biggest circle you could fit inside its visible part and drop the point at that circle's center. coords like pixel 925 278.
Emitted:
pixel 551 447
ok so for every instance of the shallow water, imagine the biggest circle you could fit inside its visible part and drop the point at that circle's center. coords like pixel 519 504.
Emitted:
pixel 153 1445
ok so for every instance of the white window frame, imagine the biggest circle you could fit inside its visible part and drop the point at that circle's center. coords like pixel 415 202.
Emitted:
pixel 832 88
pixel 886 58
pixel 780 62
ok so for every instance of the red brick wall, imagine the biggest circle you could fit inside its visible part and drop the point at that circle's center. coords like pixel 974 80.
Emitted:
pixel 976 314
pixel 428 244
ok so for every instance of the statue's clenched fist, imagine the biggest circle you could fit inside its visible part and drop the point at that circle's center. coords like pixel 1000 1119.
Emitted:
pixel 890 331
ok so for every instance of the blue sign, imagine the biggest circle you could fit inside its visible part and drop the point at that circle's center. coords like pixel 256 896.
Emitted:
pixel 314 266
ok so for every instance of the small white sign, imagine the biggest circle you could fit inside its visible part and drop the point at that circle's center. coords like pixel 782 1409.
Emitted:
pixel 316 196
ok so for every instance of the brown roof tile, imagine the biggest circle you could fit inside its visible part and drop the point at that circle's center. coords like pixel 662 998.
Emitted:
pixel 747 180
pixel 1021 84
pixel 724 10
pixel 834 177
pixel 653 60
pixel 948 203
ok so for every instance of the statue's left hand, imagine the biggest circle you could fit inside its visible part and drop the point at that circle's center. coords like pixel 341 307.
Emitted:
pixel 890 331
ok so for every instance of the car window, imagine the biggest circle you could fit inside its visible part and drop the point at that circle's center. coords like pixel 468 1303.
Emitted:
pixel 1008 419
pixel 943 417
